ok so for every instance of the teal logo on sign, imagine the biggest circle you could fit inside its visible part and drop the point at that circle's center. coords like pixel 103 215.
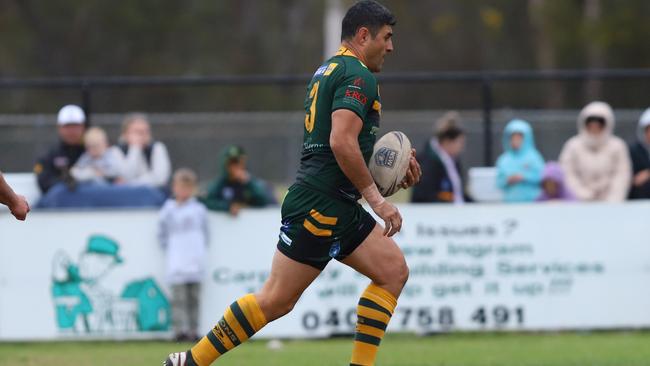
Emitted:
pixel 83 305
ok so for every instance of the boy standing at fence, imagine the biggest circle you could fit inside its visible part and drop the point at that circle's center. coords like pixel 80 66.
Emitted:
pixel 183 234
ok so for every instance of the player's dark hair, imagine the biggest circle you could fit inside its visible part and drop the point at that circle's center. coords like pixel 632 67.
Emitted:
pixel 366 13
pixel 448 127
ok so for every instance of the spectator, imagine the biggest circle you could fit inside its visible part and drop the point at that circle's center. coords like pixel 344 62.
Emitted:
pixel 553 186
pixel 98 164
pixel 146 162
pixel 442 179
pixel 54 167
pixel 17 204
pixel 596 163
pixel 519 168
pixel 183 234
pixel 236 187
pixel 640 154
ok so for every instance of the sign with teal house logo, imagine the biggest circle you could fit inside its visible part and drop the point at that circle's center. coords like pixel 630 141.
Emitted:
pixel 86 304
pixel 153 307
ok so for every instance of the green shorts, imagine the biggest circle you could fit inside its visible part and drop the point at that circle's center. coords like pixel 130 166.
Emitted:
pixel 317 227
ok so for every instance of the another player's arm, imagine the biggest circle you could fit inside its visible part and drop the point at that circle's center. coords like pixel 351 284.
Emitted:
pixel 346 126
pixel 17 204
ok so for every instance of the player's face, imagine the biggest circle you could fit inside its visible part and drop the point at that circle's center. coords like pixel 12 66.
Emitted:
pixel 72 134
pixel 378 47
pixel 647 134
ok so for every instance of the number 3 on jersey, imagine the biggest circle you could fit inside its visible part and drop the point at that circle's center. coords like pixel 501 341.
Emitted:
pixel 310 117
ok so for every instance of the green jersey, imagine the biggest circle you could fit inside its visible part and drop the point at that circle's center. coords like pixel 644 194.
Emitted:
pixel 342 82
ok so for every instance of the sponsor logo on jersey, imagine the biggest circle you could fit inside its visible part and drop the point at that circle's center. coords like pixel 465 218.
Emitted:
pixel 358 96
pixel 386 157
pixel 320 70
pixel 330 68
pixel 359 82
pixel 326 70
pixel 335 249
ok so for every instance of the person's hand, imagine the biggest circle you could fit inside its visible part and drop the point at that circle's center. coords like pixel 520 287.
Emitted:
pixel 642 177
pixel 514 179
pixel 98 172
pixel 235 207
pixel 135 139
pixel 391 216
pixel 19 208
pixel 413 173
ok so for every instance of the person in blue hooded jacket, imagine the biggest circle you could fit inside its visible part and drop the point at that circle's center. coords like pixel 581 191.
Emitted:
pixel 520 167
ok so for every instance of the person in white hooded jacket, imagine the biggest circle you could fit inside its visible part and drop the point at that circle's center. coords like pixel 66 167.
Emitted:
pixel 597 163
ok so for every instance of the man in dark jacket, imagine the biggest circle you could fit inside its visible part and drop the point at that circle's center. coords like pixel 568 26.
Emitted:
pixel 54 167
pixel 640 155
pixel 236 187
pixel 441 179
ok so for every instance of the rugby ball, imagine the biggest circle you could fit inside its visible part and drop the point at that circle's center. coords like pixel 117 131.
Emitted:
pixel 390 161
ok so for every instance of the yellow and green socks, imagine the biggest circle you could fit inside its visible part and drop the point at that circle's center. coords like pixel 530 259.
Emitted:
pixel 242 319
pixel 374 311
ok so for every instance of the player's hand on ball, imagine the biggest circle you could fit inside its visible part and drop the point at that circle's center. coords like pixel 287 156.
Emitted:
pixel 413 173
pixel 391 216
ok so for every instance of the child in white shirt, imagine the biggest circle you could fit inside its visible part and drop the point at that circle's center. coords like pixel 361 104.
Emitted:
pixel 183 233
pixel 98 164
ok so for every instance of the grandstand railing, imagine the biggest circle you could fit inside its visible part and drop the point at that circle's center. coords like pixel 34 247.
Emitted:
pixel 486 80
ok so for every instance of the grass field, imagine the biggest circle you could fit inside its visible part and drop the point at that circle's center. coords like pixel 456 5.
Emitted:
pixel 593 349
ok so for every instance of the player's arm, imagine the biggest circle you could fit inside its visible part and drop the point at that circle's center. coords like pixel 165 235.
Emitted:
pixel 17 204
pixel 346 126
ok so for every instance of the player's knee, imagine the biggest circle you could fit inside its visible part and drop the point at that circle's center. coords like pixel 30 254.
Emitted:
pixel 275 307
pixel 399 273
pixel 282 308
pixel 403 273
pixel 395 274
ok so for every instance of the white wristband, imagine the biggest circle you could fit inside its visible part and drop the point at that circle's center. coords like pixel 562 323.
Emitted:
pixel 372 196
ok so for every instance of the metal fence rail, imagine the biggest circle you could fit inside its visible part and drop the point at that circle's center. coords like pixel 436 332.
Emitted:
pixel 485 79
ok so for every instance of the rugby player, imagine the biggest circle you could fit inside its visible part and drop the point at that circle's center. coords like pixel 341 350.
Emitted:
pixel 321 218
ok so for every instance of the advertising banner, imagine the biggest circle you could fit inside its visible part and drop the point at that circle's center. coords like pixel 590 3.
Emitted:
pixel 479 267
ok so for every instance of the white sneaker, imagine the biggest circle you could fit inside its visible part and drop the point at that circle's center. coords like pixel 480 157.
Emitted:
pixel 176 359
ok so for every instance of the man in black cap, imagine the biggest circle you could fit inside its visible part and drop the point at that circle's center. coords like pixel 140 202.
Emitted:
pixel 54 167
